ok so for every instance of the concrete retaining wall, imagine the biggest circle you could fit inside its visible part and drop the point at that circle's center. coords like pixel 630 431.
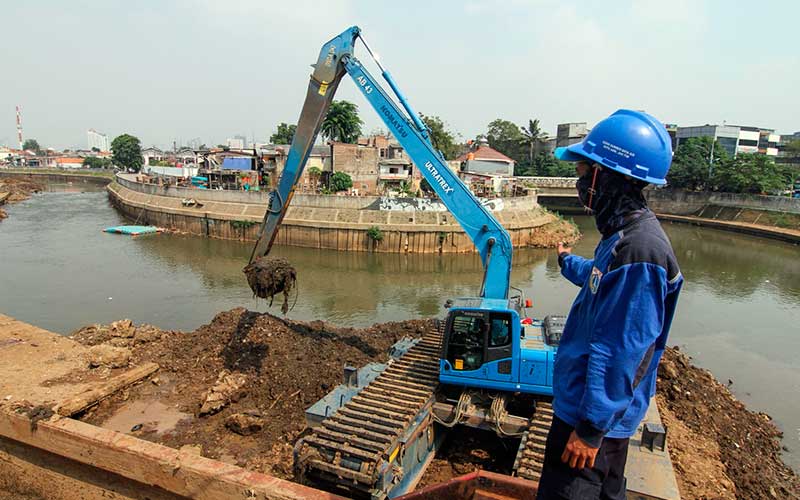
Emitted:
pixel 309 224
pixel 58 177
pixel 678 202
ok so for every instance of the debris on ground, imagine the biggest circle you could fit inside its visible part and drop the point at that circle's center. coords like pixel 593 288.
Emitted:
pixel 108 356
pixel 719 448
pixel 245 423
pixel 289 365
pixel 269 277
pixel 228 388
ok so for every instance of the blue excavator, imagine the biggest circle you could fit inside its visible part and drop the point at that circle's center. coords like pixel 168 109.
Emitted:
pixel 486 365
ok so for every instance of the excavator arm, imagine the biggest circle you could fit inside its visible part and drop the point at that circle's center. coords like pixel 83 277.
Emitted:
pixel 336 58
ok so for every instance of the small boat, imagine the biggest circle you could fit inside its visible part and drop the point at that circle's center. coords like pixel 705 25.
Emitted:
pixel 133 230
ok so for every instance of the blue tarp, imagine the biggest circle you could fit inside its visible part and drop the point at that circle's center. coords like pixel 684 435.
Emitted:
pixel 237 163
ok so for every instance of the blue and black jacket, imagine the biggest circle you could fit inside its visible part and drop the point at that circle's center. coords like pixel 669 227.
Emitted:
pixel 605 369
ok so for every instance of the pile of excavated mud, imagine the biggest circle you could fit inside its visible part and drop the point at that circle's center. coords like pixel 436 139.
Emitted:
pixel 237 388
pixel 18 190
pixel 269 277
pixel 719 448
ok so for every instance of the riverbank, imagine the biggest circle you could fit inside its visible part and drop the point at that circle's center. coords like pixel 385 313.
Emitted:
pixel 719 448
pixel 361 224
pixel 15 190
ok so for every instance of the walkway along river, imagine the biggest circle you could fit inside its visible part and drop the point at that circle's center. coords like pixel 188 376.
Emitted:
pixel 738 314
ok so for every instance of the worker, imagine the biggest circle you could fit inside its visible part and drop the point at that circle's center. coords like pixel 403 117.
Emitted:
pixel 616 331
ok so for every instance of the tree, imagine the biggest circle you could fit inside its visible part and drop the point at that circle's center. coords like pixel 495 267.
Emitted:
pixel 531 136
pixel 32 145
pixel 753 173
pixel 506 137
pixel 340 181
pixel 692 162
pixel 342 123
pixel 546 165
pixel 127 152
pixel 284 135
pixel 95 162
pixel 442 139
pixel 793 148
pixel 314 173
pixel 95 149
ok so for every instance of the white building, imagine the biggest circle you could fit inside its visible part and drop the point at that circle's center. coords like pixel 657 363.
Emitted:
pixel 97 140
pixel 237 142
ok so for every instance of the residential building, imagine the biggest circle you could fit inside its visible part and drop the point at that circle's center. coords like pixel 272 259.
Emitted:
pixel 784 156
pixel 487 161
pixel 570 133
pixel 360 162
pixel 69 162
pixel 97 140
pixel 152 154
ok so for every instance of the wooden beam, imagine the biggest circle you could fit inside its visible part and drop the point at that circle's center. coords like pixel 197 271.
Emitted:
pixel 94 395
pixel 182 473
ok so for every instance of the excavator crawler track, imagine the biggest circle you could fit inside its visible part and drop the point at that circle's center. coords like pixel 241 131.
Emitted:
pixel 355 448
pixel 530 457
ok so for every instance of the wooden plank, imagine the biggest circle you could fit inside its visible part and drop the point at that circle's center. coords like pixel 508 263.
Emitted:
pixel 94 395
pixel 182 473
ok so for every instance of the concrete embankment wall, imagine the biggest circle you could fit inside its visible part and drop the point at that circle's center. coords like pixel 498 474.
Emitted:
pixel 330 222
pixel 58 177
pixel 679 202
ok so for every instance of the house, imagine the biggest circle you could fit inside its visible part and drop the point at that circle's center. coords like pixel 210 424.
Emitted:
pixel 69 162
pixel 487 161
pixel 152 154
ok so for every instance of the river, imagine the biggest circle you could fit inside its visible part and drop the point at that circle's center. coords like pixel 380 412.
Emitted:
pixel 738 315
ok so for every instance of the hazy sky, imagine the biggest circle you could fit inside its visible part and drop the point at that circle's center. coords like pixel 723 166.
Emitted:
pixel 179 70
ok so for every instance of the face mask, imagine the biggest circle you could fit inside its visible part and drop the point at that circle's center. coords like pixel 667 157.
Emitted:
pixel 586 193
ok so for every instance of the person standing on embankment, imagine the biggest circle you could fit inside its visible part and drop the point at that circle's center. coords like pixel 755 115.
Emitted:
pixel 605 369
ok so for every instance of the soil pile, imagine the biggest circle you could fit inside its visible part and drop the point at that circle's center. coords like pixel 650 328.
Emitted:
pixel 252 375
pixel 718 447
pixel 269 277
pixel 19 189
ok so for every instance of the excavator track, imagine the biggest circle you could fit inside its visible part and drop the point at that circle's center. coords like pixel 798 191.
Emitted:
pixel 355 448
pixel 530 457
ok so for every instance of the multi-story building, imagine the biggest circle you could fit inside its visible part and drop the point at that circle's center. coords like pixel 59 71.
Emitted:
pixel 97 140
pixel 735 139
pixel 726 136
pixel 237 142
pixel 570 133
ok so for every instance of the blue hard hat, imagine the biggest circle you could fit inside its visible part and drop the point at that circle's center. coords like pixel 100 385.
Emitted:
pixel 629 142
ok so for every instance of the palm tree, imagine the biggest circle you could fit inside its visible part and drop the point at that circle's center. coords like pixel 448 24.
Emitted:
pixel 533 135
pixel 342 123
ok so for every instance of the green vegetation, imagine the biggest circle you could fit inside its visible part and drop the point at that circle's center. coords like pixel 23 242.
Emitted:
pixel 284 135
pixel 95 162
pixel 374 233
pixel 243 224
pixel 520 143
pixel 342 122
pixel 699 164
pixel 506 137
pixel 441 138
pixel 340 181
pixel 127 152
pixel 32 145
pixel 314 173
pixel 531 134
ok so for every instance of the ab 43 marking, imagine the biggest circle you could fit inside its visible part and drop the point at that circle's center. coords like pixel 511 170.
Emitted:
pixel 362 80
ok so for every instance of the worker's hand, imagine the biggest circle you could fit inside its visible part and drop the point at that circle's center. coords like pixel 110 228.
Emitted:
pixel 577 453
pixel 563 248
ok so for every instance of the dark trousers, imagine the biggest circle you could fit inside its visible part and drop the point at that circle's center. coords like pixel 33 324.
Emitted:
pixel 606 480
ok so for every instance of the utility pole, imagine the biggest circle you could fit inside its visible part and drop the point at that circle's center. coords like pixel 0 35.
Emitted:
pixel 710 161
pixel 19 126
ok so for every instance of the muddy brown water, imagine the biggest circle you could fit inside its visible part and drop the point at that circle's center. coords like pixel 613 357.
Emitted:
pixel 739 313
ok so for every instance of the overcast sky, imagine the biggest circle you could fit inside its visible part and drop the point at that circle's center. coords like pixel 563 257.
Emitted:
pixel 179 70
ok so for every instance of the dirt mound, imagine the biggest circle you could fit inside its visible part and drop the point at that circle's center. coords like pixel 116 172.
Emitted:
pixel 19 189
pixel 286 365
pixel 269 277
pixel 725 438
